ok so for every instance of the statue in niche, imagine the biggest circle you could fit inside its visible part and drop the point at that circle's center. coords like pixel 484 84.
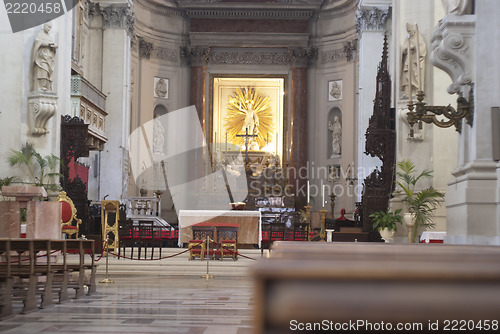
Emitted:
pixel 158 136
pixel 42 60
pixel 413 62
pixel 458 7
pixel 336 129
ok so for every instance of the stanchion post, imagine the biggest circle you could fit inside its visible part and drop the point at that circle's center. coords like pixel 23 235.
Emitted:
pixel 207 276
pixel 107 280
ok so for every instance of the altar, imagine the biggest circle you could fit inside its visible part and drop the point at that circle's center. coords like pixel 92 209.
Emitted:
pixel 249 224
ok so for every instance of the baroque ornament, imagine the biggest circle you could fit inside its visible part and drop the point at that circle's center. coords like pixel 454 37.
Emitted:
pixel 371 19
pixel 237 113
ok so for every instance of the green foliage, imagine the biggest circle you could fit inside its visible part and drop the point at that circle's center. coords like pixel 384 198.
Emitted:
pixel 386 219
pixel 40 170
pixel 7 181
pixel 421 203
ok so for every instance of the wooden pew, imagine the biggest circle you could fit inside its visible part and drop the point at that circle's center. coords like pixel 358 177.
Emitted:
pixel 307 283
pixel 6 282
pixel 84 247
pixel 27 271
pixel 22 267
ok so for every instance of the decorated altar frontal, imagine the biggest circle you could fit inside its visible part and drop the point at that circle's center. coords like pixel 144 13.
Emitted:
pixel 249 224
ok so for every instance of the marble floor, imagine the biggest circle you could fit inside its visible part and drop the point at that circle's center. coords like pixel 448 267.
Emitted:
pixel 165 296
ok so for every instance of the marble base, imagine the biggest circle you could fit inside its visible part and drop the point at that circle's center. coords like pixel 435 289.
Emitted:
pixel 43 219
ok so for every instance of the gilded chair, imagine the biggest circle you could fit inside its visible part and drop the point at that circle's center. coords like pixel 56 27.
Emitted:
pixel 69 221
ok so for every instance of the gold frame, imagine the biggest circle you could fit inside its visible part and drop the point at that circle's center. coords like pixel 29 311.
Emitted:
pixel 283 131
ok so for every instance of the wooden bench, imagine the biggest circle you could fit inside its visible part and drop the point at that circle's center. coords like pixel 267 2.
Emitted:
pixel 26 261
pixel 374 282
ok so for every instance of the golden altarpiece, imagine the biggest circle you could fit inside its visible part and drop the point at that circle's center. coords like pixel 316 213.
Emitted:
pixel 247 130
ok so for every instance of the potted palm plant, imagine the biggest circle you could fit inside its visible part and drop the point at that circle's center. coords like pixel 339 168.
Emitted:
pixel 421 204
pixel 386 222
pixel 41 171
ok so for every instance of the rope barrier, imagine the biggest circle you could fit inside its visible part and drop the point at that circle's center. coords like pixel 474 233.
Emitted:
pixel 137 259
pixel 102 251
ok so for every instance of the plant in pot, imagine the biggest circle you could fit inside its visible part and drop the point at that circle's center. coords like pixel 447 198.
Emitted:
pixel 421 204
pixel 39 170
pixel 386 222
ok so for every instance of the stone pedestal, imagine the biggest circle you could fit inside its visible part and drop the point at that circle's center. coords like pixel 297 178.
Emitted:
pixel 42 106
pixel 43 219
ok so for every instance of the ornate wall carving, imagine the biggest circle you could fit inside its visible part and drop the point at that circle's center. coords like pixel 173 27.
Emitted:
pixel 302 57
pixel 332 56
pixel 453 50
pixel 350 48
pixel 145 48
pixel 371 19
pixel 196 55
pixel 249 57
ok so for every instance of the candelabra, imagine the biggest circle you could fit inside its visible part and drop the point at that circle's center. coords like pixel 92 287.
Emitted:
pixel 427 114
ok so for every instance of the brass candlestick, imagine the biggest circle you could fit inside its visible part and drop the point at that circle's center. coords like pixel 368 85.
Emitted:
pixel 322 233
pixel 308 220
pixel 332 202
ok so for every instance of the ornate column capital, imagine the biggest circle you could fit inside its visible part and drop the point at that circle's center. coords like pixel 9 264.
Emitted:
pixel 196 55
pixel 453 50
pixel 302 57
pixel 350 48
pixel 115 16
pixel 145 48
pixel 371 19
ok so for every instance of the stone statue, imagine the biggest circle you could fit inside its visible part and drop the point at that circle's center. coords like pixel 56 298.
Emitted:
pixel 458 7
pixel 336 129
pixel 413 62
pixel 158 136
pixel 42 60
pixel 251 120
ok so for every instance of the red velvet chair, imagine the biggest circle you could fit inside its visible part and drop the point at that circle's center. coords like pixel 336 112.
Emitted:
pixel 69 222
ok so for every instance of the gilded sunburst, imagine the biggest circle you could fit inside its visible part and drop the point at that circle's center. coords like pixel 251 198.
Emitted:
pixel 236 112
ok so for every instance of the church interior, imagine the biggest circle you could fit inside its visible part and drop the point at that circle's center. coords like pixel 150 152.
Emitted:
pixel 340 143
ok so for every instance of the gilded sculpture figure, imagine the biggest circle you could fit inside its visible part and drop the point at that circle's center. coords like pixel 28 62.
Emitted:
pixel 42 60
pixel 251 123
pixel 249 110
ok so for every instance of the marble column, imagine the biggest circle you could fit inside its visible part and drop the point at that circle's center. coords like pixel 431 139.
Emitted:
pixel 198 58
pixel 467 51
pixel 117 23
pixel 298 125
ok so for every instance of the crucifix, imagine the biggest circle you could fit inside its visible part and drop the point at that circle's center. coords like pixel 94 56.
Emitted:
pixel 246 136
